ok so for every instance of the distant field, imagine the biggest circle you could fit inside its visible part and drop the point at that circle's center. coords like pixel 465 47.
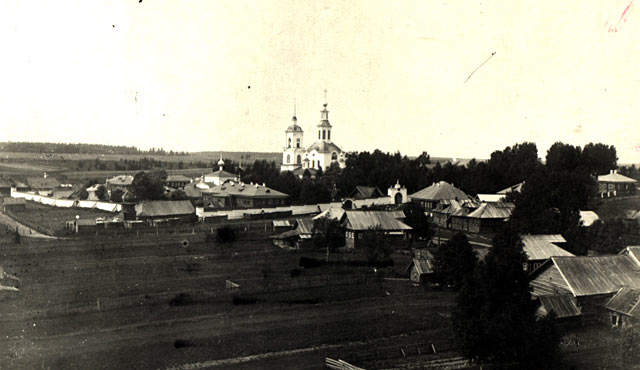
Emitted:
pixel 616 208
pixel 245 157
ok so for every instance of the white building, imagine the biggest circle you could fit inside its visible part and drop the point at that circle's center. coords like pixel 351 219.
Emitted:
pixel 220 176
pixel 319 155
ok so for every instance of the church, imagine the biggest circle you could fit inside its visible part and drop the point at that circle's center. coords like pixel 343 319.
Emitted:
pixel 320 154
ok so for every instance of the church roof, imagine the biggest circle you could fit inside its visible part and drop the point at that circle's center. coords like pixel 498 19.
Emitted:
pixel 221 174
pixel 324 147
pixel 294 128
pixel 324 123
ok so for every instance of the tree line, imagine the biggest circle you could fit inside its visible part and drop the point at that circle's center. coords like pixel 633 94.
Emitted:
pixel 66 148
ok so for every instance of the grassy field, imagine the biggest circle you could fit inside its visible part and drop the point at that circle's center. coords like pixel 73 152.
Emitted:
pixel 150 303
pixel 615 208
pixel 54 218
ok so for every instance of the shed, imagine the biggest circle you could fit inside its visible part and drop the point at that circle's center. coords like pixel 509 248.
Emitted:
pixel 13 204
pixel 281 225
pixel 286 240
pixel 563 306
pixel 624 307
pixel 420 269
pixel 356 223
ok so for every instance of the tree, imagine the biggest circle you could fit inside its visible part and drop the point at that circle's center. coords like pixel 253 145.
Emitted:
pixel 418 220
pixel 599 158
pixel 116 196
pixel 563 157
pixel 149 185
pixel 314 192
pixel 455 261
pixel 377 247
pixel 327 234
pixel 495 319
pixel 101 192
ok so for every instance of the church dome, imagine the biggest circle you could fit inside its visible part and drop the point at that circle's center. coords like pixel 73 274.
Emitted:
pixel 220 162
pixel 294 127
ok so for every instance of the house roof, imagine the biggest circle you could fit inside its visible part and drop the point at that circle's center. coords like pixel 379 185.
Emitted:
pixel 491 197
pixel 633 251
pixel 423 265
pixel 192 191
pixel 243 190
pixel 161 208
pixel 124 180
pixel 281 223
pixel 174 178
pixel 493 210
pixel 542 247
pixel 615 177
pixel 517 188
pixel 332 213
pixel 626 301
pixel 324 147
pixel 305 226
pixel 365 220
pixel 42 182
pixel 364 192
pixel 588 217
pixel 592 275
pixel 289 234
pixel 562 306
pixel 438 191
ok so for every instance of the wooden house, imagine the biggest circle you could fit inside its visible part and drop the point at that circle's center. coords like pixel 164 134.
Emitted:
pixel 155 210
pixel 240 195
pixel 614 184
pixel 539 248
pixel 365 192
pixel 356 223
pixel 177 181
pixel 13 204
pixel 420 270
pixel 431 196
pixel 624 308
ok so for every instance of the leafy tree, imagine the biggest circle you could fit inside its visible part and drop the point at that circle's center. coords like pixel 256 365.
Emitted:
pixel 178 195
pixel 377 247
pixel 116 196
pixel 416 218
pixel 455 261
pixel 149 185
pixel 599 158
pixel 314 192
pixel 495 320
pixel 563 157
pixel 101 192
pixel 327 234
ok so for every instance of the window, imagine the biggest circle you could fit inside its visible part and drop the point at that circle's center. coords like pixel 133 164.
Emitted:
pixel 334 156
pixel 297 142
pixel 289 144
pixel 288 158
pixel 329 135
pixel 318 134
pixel 360 236
pixel 324 133
pixel 298 159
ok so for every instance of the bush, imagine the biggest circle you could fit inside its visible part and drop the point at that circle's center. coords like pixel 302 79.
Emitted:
pixel 226 234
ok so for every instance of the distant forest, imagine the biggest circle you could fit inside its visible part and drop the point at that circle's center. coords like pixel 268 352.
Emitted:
pixel 64 148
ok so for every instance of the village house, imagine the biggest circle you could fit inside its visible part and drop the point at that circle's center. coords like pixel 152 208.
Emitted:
pixel 590 281
pixel 220 176
pixel 431 196
pixel 539 248
pixel 13 204
pixel 44 185
pixel 120 182
pixel 241 195
pixel 365 192
pixel 615 185
pixel 420 269
pixel 156 210
pixel 487 218
pixel 177 181
pixel 297 238
pixel 624 308
pixel 356 223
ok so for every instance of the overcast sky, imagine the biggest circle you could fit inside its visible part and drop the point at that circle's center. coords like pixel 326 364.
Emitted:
pixel 223 75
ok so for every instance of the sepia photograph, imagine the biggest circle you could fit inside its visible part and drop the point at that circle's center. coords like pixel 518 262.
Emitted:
pixel 328 184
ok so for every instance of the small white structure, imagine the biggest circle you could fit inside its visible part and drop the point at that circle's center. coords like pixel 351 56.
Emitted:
pixel 398 193
pixel 220 176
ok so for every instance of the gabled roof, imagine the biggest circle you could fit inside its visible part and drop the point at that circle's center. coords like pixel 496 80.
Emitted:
pixel 243 190
pixel 438 191
pixel 626 301
pixel 305 227
pixel 592 275
pixel 423 265
pixel 289 234
pixel 493 210
pixel 365 192
pixel 324 147
pixel 614 176
pixel 42 182
pixel 517 188
pixel 588 217
pixel 164 208
pixel 542 247
pixel 562 306
pixel 632 251
pixel 365 220
pixel 334 213
pixel 123 180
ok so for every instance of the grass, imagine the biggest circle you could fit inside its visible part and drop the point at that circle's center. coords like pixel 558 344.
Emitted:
pixel 54 218
pixel 163 305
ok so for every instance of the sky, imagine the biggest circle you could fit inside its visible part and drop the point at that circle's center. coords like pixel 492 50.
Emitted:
pixel 402 76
